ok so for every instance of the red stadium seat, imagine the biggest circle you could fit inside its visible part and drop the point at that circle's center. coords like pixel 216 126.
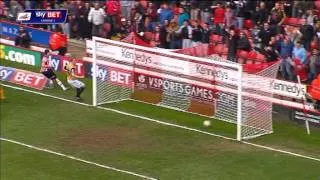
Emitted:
pixel 224 56
pixel 301 21
pixel 252 55
pixel 247 33
pixel 218 49
pixel 248 24
pixel 242 54
pixel 224 51
pixel 293 21
pixel 260 58
pixel 241 60
pixel 216 39
pixel 300 70
pixel 286 21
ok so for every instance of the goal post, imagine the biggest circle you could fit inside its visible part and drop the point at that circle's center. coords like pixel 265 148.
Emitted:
pixel 212 87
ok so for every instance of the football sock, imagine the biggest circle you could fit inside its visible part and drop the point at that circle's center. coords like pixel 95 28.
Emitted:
pixel 61 85
pixel 79 91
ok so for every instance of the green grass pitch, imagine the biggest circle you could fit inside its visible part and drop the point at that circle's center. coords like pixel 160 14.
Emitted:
pixel 140 146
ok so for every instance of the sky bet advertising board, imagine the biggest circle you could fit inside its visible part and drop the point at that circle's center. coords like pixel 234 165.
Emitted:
pixel 22 77
pixel 42 16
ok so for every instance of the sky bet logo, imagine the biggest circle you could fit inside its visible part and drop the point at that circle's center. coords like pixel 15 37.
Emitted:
pixel 42 16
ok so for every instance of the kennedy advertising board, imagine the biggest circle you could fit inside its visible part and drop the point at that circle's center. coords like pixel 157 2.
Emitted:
pixel 24 78
pixel 161 62
pixel 197 69
pixel 38 36
pixel 19 55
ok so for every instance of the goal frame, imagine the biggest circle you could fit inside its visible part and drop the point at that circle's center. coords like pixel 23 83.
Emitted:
pixel 235 66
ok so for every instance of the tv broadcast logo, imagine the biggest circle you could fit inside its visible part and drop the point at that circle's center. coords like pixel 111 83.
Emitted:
pixel 24 16
pixel 43 16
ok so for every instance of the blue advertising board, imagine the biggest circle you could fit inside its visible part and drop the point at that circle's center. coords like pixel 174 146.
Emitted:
pixel 38 36
pixel 43 16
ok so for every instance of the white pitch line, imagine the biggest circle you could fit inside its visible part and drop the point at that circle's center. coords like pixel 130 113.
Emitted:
pixel 77 159
pixel 172 125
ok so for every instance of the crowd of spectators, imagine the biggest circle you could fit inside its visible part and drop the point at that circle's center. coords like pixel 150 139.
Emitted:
pixel 182 24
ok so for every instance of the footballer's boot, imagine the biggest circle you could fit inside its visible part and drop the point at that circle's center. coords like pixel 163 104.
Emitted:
pixel 78 99
pixel 2 94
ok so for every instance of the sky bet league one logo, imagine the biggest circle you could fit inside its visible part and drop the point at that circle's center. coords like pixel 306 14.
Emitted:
pixel 42 16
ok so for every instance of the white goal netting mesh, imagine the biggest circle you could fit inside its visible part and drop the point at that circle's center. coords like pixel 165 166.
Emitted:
pixel 208 86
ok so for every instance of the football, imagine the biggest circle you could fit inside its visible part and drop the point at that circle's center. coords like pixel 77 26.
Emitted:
pixel 207 123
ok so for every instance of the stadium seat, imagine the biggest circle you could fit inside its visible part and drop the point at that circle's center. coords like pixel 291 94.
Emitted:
pixel 241 60
pixel 300 70
pixel 248 24
pixel 260 58
pixel 247 33
pixel 242 54
pixel 218 49
pixel 224 51
pixel 301 21
pixel 215 39
pixel 224 56
pixel 252 55
pixel 286 21
pixel 293 21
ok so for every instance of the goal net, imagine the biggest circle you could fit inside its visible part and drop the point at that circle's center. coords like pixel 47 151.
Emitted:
pixel 211 86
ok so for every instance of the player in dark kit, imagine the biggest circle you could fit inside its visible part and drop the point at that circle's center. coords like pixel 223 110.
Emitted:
pixel 47 70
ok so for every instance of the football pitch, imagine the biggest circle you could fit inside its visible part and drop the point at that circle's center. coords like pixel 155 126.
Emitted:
pixel 45 137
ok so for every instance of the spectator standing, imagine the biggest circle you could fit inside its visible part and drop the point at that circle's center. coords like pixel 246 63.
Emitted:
pixel 195 11
pixel 286 48
pixel 218 15
pixel 307 32
pixel 265 34
pixel 113 11
pixel 72 7
pixel 240 13
pixel 123 30
pixel 206 33
pixel 256 36
pixel 310 17
pixel 313 63
pixel 66 26
pixel 232 45
pixel 300 53
pixel 277 17
pixel 96 17
pixel 262 13
pixel 205 7
pixel 84 10
pixel 229 19
pixel 23 39
pixel 183 16
pixel 139 23
pixel 151 13
pixel 155 40
pixel 126 7
pixel 165 14
pixel 186 34
pixel 196 34
pixel 74 27
pixel 173 37
pixel 243 42
pixel 164 34
pixel 14 9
